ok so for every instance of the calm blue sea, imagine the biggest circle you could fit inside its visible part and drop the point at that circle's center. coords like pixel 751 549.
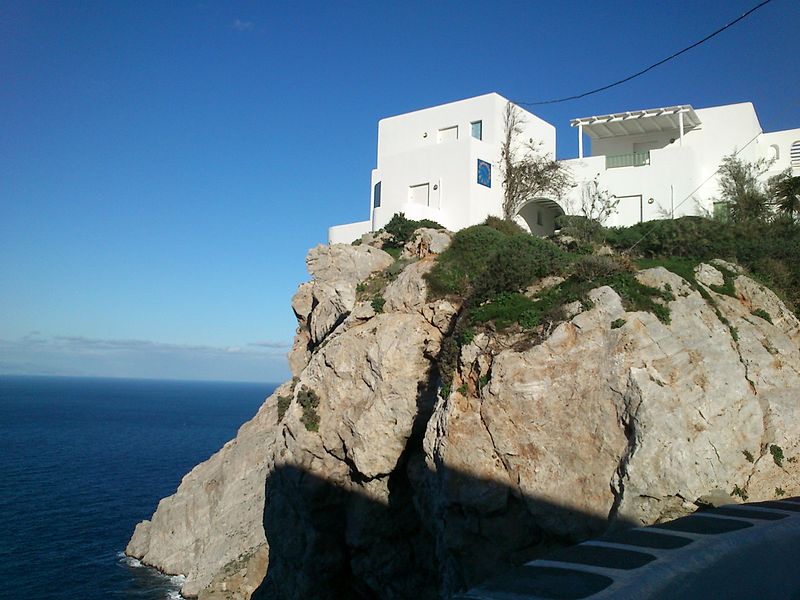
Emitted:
pixel 83 460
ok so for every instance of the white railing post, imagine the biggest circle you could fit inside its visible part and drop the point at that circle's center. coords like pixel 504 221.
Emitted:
pixel 580 141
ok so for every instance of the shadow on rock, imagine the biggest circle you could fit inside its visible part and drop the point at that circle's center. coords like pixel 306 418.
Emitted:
pixel 331 541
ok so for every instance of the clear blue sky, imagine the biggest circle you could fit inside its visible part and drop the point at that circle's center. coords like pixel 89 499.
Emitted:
pixel 164 166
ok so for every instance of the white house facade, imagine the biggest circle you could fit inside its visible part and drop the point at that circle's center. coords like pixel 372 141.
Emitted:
pixel 442 163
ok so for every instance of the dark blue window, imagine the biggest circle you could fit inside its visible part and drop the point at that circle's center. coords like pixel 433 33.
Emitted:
pixel 376 196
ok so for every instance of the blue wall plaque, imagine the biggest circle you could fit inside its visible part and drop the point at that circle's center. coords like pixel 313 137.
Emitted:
pixel 484 173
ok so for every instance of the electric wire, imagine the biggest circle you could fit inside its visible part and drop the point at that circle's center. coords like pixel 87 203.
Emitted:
pixel 651 67
pixel 692 193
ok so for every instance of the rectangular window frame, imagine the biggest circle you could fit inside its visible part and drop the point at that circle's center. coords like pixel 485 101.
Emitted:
pixel 472 127
pixel 447 134
pixel 376 195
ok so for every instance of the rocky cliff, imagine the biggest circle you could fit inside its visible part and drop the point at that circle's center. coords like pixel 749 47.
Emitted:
pixel 362 477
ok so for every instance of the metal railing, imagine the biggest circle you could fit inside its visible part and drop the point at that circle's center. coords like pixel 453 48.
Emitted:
pixel 634 159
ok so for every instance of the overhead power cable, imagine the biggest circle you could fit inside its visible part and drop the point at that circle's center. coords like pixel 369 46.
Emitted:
pixel 691 194
pixel 651 67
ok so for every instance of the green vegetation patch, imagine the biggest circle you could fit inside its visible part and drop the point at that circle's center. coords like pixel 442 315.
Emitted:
pixel 401 230
pixel 737 491
pixel 684 267
pixel 283 406
pixel 770 250
pixel 309 402
pixel 518 261
pixel 617 323
pixel 777 454
pixel 509 308
pixel 504 226
pixel 377 282
pixel 463 261
pixel 760 312
pixel 727 288
pixel 377 303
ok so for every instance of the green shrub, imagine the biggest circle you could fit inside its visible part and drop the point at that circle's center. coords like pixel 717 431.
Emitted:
pixel 463 261
pixel 770 250
pixel 517 262
pixel 504 226
pixel 779 492
pixel 580 228
pixel 393 251
pixel 309 402
pixel 506 309
pixel 591 268
pixel 694 237
pixel 466 336
pixel 393 270
pixel 377 303
pixel 401 229
pixel 283 406
pixel 760 312
pixel 748 456
pixel 737 491
pixel 617 323
pixel 777 454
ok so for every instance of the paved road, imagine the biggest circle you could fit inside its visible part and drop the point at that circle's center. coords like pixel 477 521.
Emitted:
pixel 742 551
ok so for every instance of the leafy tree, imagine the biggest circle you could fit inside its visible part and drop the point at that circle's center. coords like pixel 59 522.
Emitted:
pixel 786 194
pixel 527 173
pixel 741 187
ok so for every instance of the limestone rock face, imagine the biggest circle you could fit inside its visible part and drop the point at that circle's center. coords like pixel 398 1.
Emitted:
pixel 427 241
pixel 408 293
pixel 341 262
pixel 323 304
pixel 215 517
pixel 376 481
pixel 332 500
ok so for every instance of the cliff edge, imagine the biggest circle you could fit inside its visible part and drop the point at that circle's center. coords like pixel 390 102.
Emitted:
pixel 375 473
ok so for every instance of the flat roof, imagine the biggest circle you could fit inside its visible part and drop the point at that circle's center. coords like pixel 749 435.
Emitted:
pixel 636 122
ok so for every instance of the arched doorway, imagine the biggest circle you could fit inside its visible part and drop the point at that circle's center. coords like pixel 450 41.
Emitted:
pixel 540 215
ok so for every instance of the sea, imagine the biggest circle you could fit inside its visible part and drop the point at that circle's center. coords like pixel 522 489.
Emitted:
pixel 82 460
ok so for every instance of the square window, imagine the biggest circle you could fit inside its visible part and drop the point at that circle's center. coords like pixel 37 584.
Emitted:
pixel 448 134
pixel 476 128
pixel 484 173
pixel 722 211
pixel 376 196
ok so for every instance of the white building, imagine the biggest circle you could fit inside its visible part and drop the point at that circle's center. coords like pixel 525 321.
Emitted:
pixel 441 163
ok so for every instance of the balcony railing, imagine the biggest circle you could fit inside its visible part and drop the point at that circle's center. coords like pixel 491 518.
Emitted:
pixel 634 159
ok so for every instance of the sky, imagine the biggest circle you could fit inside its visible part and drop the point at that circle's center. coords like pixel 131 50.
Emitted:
pixel 165 166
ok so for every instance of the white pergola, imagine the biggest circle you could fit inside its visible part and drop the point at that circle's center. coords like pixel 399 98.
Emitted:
pixel 671 118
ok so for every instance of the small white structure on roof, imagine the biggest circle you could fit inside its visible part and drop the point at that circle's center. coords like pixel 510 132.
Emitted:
pixel 442 163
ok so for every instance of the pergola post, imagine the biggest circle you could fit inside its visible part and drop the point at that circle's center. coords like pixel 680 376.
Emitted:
pixel 680 125
pixel 580 141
